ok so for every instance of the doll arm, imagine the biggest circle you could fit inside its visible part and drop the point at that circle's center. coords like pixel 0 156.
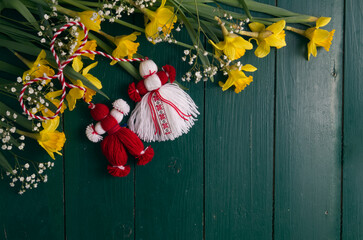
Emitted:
pixel 121 106
pixel 92 134
pixel 170 72
pixel 134 93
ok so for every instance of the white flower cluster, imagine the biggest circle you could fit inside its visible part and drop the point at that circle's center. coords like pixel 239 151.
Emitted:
pixel 191 56
pixel 34 96
pixel 7 130
pixel 144 3
pixel 27 179
pixel 113 9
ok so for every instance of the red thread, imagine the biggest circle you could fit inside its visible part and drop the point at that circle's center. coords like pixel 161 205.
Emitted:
pixel 153 114
pixel 62 65
pixel 148 75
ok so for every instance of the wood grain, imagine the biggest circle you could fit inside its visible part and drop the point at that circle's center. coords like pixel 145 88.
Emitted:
pixel 353 129
pixel 239 156
pixel 308 132
pixel 99 206
pixel 169 190
pixel 28 216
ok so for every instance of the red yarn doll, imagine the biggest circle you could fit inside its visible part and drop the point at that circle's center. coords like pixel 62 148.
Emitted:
pixel 163 110
pixel 118 139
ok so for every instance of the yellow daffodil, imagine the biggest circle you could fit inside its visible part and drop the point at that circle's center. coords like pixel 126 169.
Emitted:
pixel 162 19
pixel 272 36
pixel 90 45
pixel 233 46
pixel 76 93
pixel 39 68
pixel 91 20
pixel 319 37
pixel 238 78
pixel 51 139
pixel 126 46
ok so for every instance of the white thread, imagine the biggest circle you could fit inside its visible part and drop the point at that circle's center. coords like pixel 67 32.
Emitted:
pixel 119 167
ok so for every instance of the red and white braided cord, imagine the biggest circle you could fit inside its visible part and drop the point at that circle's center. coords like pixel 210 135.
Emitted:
pixel 61 66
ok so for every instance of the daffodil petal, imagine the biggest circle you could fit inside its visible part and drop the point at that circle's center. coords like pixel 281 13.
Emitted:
pixel 151 29
pixel 276 40
pixel 322 21
pixel 240 42
pixel 77 64
pixel 89 67
pixel 51 125
pixel 256 27
pixel 54 94
pixel 311 49
pixel 230 52
pixel 218 46
pixel 248 68
pixel 95 81
pixel 277 27
pixel 262 50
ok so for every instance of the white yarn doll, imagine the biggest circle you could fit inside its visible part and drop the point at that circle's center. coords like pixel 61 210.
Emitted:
pixel 163 111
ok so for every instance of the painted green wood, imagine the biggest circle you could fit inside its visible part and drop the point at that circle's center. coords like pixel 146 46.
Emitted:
pixel 98 206
pixel 308 132
pixel 169 190
pixel 28 216
pixel 239 156
pixel 353 129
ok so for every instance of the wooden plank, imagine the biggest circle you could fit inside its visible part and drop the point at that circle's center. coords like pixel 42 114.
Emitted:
pixel 308 131
pixel 239 156
pixel 98 205
pixel 169 190
pixel 38 213
pixel 353 129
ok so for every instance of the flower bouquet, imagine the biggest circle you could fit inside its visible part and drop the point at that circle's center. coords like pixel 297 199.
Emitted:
pixel 219 34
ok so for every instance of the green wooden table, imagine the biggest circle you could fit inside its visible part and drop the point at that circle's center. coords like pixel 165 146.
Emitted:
pixel 281 160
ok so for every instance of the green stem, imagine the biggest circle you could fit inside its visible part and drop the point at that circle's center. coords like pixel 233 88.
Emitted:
pixel 108 36
pixel 249 34
pixel 295 30
pixel 28 63
pixel 263 8
pixel 28 134
pixel 83 7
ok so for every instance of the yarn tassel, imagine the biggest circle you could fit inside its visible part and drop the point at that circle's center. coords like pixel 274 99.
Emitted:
pixel 134 146
pixel 116 155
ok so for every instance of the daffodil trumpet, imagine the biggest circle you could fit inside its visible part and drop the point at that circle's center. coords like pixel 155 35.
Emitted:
pixel 233 46
pixel 318 37
pixel 49 138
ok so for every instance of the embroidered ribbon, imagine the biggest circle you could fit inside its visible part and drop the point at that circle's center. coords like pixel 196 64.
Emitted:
pixel 155 97
pixel 62 65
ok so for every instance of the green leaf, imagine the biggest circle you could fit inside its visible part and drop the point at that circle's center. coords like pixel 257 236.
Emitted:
pixel 9 68
pixel 14 31
pixel 21 119
pixel 194 37
pixel 245 7
pixel 23 10
pixel 27 48
pixel 5 164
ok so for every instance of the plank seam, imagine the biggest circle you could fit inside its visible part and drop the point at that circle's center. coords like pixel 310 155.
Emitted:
pixel 342 125
pixel 204 147
pixel 64 186
pixel 274 145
